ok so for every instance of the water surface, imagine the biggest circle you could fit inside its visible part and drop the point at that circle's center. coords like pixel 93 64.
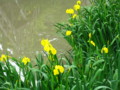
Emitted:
pixel 23 23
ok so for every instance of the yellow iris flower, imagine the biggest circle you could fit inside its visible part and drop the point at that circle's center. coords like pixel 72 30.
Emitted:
pixel 78 2
pixel 48 47
pixel 76 7
pixel 56 72
pixel 92 43
pixel 70 11
pixel 68 33
pixel 3 57
pixel 25 60
pixel 58 69
pixel 45 42
pixel 104 50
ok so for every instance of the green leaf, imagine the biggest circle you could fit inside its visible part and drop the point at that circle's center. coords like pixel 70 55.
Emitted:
pixel 45 75
pixel 115 76
pixel 98 62
pixel 102 87
pixel 96 74
pixel 74 87
pixel 4 88
pixel 22 89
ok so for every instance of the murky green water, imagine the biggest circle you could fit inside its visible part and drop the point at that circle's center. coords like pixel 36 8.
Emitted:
pixel 23 23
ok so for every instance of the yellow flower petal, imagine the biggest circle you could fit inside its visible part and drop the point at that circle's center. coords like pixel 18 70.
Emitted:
pixel 56 72
pixel 44 42
pixel 57 66
pixel 3 57
pixel 53 51
pixel 60 68
pixel 68 32
pixel 74 16
pixel 92 43
pixel 48 47
pixel 25 60
pixel 104 50
pixel 78 2
pixel 76 7
pixel 70 11
pixel 90 35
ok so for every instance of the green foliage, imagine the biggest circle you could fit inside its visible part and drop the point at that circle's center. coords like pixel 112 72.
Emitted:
pixel 101 19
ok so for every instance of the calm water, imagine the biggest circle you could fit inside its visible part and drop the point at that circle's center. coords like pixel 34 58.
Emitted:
pixel 23 23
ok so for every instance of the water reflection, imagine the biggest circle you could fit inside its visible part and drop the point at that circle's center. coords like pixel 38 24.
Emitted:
pixel 23 23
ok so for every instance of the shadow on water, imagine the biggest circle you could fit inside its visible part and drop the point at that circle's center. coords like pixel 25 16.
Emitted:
pixel 23 23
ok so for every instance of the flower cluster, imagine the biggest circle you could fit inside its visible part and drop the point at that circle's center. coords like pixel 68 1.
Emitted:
pixel 58 69
pixel 90 41
pixel 25 60
pixel 75 7
pixel 3 57
pixel 103 50
pixel 48 47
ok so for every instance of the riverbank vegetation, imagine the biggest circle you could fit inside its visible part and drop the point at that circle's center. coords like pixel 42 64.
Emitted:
pixel 93 62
